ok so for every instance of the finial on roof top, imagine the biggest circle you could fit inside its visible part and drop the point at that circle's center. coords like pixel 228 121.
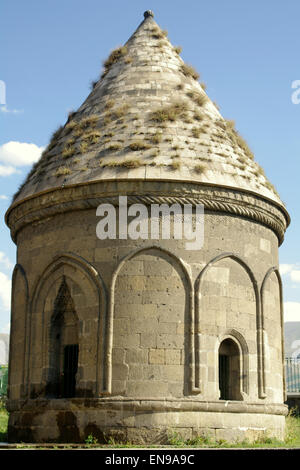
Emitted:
pixel 148 13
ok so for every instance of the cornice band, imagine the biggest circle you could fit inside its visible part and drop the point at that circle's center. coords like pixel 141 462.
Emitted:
pixel 89 196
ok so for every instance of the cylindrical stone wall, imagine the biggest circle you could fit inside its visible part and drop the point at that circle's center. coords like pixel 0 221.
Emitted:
pixel 151 319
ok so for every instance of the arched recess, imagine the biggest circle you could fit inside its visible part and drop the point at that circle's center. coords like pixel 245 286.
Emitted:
pixel 272 318
pixel 188 323
pixel 238 363
pixel 200 368
pixel 63 345
pixel 90 300
pixel 18 343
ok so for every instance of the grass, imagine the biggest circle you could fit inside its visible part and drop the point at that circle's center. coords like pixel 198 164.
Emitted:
pixel 109 104
pixel 128 60
pixel 159 34
pixel 70 126
pixel 109 134
pixel 189 71
pixel 83 147
pixel 114 147
pixel 69 150
pixel 221 123
pixel 139 145
pixel 237 138
pixel 93 84
pixel 198 98
pixel 89 121
pixel 161 44
pixel 114 114
pixel 176 164
pixel 114 57
pixel 154 154
pixel 198 116
pixel 3 423
pixel 120 111
pixel 177 49
pixel 62 171
pixel 91 137
pixel 199 168
pixel 156 138
pixel 170 113
pixel 130 163
pixel 292 439
pixel 196 131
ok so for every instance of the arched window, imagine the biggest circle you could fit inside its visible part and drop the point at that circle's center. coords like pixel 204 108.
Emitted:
pixel 63 346
pixel 229 370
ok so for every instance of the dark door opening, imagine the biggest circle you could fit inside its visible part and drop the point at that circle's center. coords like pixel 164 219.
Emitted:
pixel 70 370
pixel 224 376
pixel 229 371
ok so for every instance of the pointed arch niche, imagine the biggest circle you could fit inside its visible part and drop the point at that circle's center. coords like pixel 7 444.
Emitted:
pixel 68 308
pixel 150 325
pixel 227 299
pixel 233 366
pixel 63 346
pixel 18 334
pixel 273 330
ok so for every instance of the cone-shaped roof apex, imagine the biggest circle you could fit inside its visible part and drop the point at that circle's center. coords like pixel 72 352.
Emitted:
pixel 147 117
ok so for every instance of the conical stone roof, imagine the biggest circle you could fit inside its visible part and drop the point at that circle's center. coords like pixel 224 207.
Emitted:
pixel 147 118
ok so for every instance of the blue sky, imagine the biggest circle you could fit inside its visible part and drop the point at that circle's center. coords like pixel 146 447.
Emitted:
pixel 246 53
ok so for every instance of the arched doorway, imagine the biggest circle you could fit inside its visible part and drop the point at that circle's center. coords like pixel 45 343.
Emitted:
pixel 229 371
pixel 64 346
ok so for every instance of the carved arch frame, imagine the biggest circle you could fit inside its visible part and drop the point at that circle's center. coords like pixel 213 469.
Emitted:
pixel 259 321
pixel 241 344
pixel 19 269
pixel 40 293
pixel 190 298
pixel 275 270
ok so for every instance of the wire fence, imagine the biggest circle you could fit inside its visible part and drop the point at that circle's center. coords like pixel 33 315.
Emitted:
pixel 292 370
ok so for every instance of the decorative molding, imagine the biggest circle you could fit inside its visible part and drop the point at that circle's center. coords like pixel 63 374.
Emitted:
pixel 157 404
pixel 39 297
pixel 241 343
pixel 234 202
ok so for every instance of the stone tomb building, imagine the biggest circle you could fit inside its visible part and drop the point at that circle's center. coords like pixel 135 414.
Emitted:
pixel 135 339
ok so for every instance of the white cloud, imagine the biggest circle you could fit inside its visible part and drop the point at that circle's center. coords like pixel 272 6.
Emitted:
pixel 2 196
pixel 295 275
pixel 4 109
pixel 291 311
pixel 19 153
pixel 7 170
pixel 291 270
pixel 285 268
pixel 6 328
pixel 5 290
pixel 4 260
